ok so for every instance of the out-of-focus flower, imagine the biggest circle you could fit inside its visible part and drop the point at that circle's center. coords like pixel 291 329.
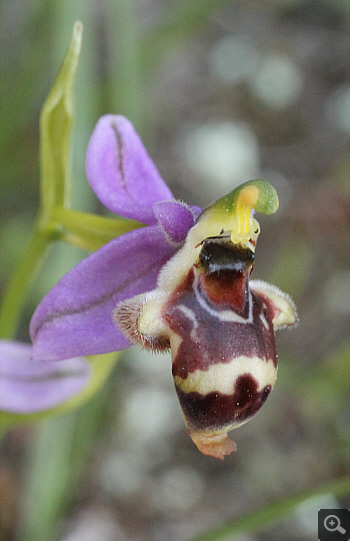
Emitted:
pixel 29 387
pixel 182 283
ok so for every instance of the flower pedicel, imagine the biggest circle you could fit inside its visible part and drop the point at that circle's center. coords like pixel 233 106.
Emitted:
pixel 182 282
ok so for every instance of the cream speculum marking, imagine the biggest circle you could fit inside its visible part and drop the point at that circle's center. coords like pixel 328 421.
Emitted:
pixel 219 325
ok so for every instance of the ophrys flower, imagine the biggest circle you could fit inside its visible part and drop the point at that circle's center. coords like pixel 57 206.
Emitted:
pixel 182 282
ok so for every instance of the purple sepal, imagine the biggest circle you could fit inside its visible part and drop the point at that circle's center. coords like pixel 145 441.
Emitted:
pixel 29 387
pixel 120 171
pixel 175 218
pixel 75 317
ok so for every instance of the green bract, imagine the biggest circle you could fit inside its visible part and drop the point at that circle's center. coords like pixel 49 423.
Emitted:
pixel 55 130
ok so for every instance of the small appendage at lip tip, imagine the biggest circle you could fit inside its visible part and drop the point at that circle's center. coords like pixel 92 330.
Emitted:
pixel 215 445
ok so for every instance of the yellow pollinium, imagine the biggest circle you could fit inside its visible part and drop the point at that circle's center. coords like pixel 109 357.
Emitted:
pixel 243 228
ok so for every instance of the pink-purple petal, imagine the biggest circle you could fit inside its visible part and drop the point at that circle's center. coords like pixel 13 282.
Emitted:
pixel 175 218
pixel 120 171
pixel 28 387
pixel 75 317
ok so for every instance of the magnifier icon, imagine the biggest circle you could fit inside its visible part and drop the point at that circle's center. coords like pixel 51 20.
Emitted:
pixel 332 524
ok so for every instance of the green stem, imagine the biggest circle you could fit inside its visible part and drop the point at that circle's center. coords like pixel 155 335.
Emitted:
pixel 17 289
pixel 48 476
pixel 58 457
pixel 83 222
pixel 262 518
pixel 55 130
pixel 85 230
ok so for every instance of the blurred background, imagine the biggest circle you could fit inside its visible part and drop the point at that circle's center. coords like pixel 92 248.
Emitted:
pixel 220 92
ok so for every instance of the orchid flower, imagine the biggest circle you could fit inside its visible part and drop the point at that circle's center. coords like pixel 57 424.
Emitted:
pixel 180 283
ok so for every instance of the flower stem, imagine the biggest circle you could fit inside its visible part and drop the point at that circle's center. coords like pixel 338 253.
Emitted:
pixel 55 133
pixel 61 449
pixel 17 289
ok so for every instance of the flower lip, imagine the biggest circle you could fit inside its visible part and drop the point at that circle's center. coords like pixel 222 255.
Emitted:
pixel 221 333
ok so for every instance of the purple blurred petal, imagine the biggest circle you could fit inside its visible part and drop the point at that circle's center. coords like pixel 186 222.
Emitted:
pixel 75 318
pixel 175 218
pixel 27 386
pixel 120 171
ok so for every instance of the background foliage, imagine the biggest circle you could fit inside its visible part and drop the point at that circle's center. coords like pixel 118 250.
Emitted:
pixel 221 91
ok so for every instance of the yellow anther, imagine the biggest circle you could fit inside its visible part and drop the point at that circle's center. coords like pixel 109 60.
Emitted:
pixel 241 219
pixel 246 201
pixel 247 219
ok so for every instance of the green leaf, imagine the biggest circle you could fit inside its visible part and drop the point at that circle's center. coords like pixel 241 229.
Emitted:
pixel 261 519
pixel 55 130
